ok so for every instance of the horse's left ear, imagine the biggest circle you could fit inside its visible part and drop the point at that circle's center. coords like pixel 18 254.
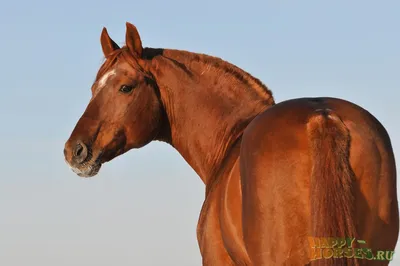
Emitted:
pixel 132 40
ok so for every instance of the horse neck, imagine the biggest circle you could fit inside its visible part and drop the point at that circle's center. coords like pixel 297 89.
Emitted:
pixel 208 104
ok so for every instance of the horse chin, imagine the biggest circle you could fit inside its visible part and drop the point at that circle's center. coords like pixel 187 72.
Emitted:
pixel 87 171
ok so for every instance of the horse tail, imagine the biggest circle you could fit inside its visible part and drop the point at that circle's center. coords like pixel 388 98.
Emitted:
pixel 331 184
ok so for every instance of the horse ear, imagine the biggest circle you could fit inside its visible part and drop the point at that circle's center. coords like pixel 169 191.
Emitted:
pixel 132 40
pixel 107 44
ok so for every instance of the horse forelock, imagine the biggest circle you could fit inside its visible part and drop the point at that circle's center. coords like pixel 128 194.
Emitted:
pixel 121 54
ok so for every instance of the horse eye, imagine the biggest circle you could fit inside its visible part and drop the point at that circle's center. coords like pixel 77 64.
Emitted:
pixel 126 89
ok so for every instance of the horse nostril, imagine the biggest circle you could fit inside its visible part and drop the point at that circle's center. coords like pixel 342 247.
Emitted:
pixel 80 152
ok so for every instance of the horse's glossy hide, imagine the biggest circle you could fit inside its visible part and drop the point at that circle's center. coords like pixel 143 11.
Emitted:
pixel 260 208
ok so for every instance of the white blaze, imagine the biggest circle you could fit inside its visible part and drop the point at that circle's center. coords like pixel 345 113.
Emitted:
pixel 103 80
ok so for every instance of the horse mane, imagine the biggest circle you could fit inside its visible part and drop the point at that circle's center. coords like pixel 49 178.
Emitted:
pixel 224 67
pixel 177 55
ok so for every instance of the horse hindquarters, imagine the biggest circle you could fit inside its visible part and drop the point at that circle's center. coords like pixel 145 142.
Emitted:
pixel 305 172
pixel 294 186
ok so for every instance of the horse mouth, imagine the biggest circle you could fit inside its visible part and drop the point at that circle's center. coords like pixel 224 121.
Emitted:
pixel 87 171
pixel 89 168
pixel 93 159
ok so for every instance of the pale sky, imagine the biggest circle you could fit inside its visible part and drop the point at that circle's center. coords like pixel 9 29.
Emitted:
pixel 135 212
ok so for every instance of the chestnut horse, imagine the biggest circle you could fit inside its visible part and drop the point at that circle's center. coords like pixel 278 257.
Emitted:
pixel 276 175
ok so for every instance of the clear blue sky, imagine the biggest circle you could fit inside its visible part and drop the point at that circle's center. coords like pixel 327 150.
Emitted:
pixel 50 53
